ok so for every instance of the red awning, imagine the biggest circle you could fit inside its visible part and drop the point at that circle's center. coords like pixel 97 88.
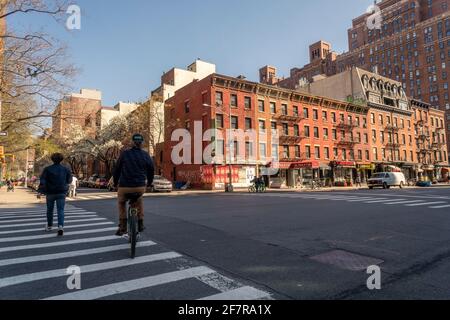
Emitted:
pixel 306 165
pixel 345 164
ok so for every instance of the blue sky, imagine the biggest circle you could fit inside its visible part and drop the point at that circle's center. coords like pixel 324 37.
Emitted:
pixel 124 46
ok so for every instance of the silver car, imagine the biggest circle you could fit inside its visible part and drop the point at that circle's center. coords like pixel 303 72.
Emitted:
pixel 161 184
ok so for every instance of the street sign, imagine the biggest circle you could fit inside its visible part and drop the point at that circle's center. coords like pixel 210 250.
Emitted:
pixel 3 134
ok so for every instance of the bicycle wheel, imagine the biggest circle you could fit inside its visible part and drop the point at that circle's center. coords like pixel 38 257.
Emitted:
pixel 252 189
pixel 132 231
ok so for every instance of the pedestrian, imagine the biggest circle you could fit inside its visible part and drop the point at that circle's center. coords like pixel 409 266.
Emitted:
pixel 54 184
pixel 73 187
pixel 358 181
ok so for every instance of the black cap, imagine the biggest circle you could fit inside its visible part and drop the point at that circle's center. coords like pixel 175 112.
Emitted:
pixel 138 138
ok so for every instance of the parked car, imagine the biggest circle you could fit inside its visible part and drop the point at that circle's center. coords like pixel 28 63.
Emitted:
pixel 387 180
pixel 91 182
pixel 161 184
pixel 101 183
pixel 35 184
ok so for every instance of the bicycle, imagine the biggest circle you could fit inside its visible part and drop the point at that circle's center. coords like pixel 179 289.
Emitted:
pixel 257 188
pixel 132 216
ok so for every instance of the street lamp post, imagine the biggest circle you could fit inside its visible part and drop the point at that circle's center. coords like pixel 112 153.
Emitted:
pixel 228 187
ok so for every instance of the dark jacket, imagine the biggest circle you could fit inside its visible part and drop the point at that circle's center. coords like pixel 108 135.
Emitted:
pixel 134 169
pixel 55 180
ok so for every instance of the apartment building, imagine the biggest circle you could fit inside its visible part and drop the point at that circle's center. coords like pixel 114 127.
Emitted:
pixel 412 46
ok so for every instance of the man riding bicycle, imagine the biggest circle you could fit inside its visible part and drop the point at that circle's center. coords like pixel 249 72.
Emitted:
pixel 133 172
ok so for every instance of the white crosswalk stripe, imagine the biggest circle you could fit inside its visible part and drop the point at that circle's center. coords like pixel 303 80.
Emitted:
pixel 23 267
pixel 375 199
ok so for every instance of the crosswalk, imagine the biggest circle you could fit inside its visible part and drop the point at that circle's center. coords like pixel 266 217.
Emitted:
pixel 36 266
pixel 434 203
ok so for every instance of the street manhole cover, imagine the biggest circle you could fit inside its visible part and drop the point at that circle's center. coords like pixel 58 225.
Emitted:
pixel 346 260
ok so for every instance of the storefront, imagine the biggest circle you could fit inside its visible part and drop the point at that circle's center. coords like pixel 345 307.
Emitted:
pixel 409 170
pixel 343 173
pixel 442 173
pixel 365 171
pixel 428 173
pixel 216 177
pixel 305 172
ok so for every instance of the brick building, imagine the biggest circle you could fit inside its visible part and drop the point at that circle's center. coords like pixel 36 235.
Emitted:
pixel 412 47
pixel 77 109
pixel 317 137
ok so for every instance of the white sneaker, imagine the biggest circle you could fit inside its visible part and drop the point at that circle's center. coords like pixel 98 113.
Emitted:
pixel 48 229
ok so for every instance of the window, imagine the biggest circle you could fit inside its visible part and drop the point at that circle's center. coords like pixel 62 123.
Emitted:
pixel 359 154
pixel 248 123
pixel 261 107
pixel 220 152
pixel 375 153
pixel 367 155
pixel 306 113
pixel 219 121
pixel 307 133
pixel 273 108
pixel 366 138
pixel 284 109
pixel 344 154
pixel 324 116
pixel 234 122
pixel 186 107
pixel 285 129
pixel 327 152
pixel 275 152
pixel 296 130
pixel 325 133
pixel 286 154
pixel 262 150
pixel 219 98
pixel 315 114
pixel 374 135
pixel 273 126
pixel 262 126
pixel 335 153
pixel 247 103
pixel 308 152
pixel 295 111
pixel 249 150
pixel 316 132
pixel 234 101
pixel 334 134
pixel 297 152
pixel 372 118
pixel 333 117
pixel 317 152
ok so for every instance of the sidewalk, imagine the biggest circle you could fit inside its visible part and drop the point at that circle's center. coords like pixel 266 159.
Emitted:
pixel 21 197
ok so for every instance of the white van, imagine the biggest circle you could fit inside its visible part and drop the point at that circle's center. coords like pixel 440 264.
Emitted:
pixel 387 180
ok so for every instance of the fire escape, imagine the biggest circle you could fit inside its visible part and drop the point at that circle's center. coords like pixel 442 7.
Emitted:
pixel 349 142
pixel 392 143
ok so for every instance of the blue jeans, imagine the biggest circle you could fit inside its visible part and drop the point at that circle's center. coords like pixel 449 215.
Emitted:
pixel 60 200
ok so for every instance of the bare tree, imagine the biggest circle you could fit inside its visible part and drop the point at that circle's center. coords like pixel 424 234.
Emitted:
pixel 35 67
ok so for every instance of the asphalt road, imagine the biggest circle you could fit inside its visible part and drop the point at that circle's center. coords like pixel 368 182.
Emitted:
pixel 271 246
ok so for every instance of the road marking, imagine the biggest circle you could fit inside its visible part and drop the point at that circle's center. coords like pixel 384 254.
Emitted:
pixel 35 212
pixel 50 236
pixel 66 227
pixel 45 220
pixel 24 278
pixel 244 293
pixel 58 244
pixel 66 214
pixel 384 200
pixel 441 207
pixel 423 204
pixel 42 223
pixel 364 199
pixel 133 285
pixel 404 202
pixel 72 254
